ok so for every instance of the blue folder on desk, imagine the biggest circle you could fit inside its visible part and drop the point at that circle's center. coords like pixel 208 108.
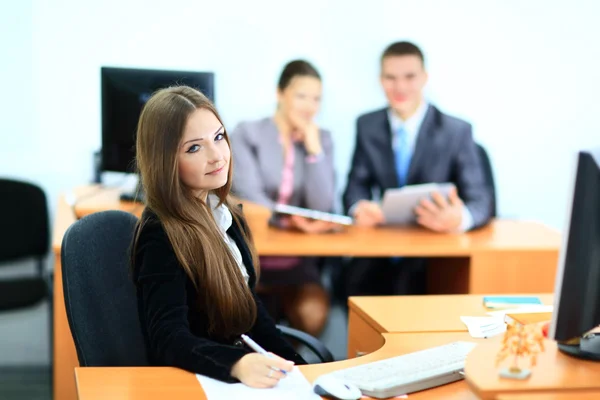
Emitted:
pixel 510 301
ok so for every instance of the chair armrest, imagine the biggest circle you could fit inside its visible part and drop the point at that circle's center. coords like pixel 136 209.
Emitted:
pixel 309 341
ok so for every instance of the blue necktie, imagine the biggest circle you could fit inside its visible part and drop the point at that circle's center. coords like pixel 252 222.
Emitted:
pixel 402 153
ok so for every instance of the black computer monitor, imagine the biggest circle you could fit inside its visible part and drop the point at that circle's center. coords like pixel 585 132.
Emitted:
pixel 124 93
pixel 577 291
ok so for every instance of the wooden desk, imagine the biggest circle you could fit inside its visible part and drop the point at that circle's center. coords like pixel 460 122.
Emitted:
pixel 64 354
pixel 505 257
pixel 161 383
pixel 567 395
pixel 555 373
pixel 370 316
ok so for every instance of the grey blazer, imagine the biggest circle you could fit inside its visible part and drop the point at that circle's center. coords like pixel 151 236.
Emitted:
pixel 258 162
pixel 444 152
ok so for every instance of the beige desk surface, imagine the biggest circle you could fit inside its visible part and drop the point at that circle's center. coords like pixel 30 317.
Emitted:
pixel 572 395
pixel 162 383
pixel 502 235
pixel 554 373
pixel 431 313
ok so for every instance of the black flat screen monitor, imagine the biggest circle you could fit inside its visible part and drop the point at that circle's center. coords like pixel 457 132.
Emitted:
pixel 577 285
pixel 124 93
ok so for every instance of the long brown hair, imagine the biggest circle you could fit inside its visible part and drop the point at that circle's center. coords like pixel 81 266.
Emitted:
pixel 187 219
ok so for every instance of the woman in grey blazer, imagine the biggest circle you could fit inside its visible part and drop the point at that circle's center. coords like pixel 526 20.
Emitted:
pixel 288 159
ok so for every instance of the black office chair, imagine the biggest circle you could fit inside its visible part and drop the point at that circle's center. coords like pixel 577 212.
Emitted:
pixel 488 175
pixel 24 234
pixel 100 297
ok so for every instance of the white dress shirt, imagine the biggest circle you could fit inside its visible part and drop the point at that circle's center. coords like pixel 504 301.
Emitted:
pixel 224 221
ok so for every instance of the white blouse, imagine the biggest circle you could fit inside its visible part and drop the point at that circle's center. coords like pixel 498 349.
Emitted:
pixel 224 221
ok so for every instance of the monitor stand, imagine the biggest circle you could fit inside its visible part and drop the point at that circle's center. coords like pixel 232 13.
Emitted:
pixel 588 347
pixel 136 195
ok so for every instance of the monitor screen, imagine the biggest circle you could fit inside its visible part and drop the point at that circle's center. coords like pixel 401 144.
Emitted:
pixel 124 92
pixel 577 286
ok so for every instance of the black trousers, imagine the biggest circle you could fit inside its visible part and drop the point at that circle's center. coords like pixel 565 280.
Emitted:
pixel 385 276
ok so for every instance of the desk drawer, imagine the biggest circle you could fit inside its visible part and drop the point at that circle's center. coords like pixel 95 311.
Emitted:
pixel 362 337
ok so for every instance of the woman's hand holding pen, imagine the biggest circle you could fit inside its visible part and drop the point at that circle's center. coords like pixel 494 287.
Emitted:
pixel 260 371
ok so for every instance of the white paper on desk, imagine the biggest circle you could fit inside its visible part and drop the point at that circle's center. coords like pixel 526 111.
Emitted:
pixel 292 387
pixel 484 327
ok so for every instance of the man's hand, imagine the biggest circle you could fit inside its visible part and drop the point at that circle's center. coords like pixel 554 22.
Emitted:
pixel 441 215
pixel 368 214
pixel 311 225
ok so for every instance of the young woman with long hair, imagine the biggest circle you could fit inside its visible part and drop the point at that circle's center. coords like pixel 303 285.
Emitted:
pixel 193 260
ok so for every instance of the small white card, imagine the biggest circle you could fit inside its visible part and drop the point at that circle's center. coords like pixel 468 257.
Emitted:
pixel 484 327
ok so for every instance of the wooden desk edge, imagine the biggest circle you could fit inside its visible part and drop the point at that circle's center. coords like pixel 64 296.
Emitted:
pixel 65 217
pixel 162 382
pixel 93 198
pixel 365 317
pixel 311 372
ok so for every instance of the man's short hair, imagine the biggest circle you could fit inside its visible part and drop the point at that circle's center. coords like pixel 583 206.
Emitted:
pixel 403 49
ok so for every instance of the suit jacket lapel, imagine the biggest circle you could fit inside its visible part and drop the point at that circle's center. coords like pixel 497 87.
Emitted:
pixel 236 234
pixel 425 141
pixel 385 151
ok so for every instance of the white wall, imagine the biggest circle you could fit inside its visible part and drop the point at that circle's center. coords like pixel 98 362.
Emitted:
pixel 524 73
pixel 23 333
pixel 18 138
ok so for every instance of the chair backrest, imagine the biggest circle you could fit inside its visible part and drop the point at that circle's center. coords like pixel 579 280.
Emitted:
pixel 488 175
pixel 24 215
pixel 100 297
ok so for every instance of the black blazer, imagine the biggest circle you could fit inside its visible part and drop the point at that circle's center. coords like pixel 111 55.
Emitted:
pixel 174 328
pixel 444 152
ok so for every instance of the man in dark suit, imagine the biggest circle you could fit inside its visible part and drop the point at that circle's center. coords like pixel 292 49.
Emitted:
pixel 411 142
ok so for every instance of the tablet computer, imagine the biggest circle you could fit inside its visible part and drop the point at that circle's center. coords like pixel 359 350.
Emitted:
pixel 398 205
pixel 284 209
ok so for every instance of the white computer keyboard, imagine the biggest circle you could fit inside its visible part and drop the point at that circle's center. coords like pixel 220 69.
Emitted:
pixel 410 372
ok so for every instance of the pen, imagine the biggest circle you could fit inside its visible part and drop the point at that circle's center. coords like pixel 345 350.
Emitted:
pixel 256 347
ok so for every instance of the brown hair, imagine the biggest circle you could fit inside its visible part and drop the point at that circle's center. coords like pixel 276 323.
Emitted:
pixel 187 219
pixel 296 68
pixel 403 49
